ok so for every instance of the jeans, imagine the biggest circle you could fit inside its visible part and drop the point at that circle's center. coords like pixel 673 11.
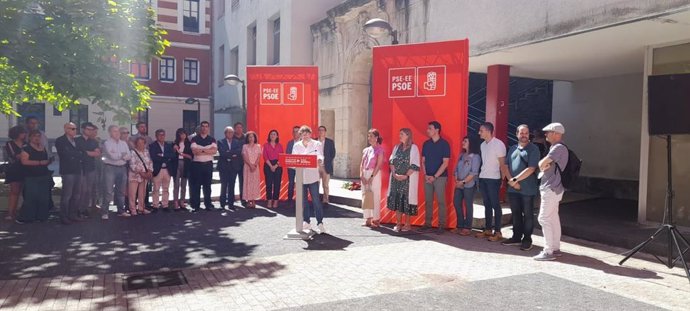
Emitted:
pixel 179 183
pixel 550 221
pixel 273 180
pixel 522 208
pixel 492 207
pixel 114 176
pixel 201 177
pixel 228 175
pixel 438 187
pixel 291 184
pixel 69 201
pixel 317 208
pixel 467 195
pixel 87 191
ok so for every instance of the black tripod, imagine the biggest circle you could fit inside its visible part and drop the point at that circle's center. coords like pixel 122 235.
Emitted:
pixel 674 236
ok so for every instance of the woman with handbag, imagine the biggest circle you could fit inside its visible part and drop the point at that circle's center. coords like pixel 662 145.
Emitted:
pixel 404 181
pixel 13 173
pixel 140 172
pixel 369 174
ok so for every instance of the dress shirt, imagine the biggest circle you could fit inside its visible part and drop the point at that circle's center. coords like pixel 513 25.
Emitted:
pixel 311 175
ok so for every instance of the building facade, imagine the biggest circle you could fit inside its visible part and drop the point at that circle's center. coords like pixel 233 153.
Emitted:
pixel 183 72
pixel 597 53
pixel 258 32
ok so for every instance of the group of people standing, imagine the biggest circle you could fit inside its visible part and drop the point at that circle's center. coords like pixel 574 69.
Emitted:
pixel 529 168
pixel 130 169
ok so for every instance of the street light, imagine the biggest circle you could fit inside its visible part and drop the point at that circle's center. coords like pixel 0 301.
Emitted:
pixel 379 28
pixel 234 80
pixel 192 101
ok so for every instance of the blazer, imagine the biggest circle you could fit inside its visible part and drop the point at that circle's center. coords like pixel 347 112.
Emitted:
pixel 70 156
pixel 159 157
pixel 229 157
pixel 328 155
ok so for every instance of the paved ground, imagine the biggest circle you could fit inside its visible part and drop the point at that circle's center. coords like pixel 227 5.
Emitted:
pixel 238 261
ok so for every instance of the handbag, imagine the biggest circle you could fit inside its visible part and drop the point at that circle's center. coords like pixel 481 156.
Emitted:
pixel 367 199
pixel 146 169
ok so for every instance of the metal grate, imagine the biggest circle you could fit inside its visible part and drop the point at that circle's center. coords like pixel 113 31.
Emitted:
pixel 154 280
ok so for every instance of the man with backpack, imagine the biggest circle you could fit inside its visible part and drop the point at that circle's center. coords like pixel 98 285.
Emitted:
pixel 551 190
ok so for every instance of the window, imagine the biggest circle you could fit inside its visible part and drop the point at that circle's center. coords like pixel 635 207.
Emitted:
pixel 235 5
pixel 141 71
pixel 56 112
pixel 191 71
pixel 251 45
pixel 190 16
pixel 221 65
pixel 78 115
pixel 189 119
pixel 167 69
pixel 37 110
pixel 276 41
pixel 234 61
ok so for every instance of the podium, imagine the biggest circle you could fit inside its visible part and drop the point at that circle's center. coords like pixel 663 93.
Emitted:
pixel 299 162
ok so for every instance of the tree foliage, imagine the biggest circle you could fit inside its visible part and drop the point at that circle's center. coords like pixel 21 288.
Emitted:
pixel 60 51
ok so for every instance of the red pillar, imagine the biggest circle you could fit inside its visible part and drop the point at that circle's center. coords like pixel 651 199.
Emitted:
pixel 497 99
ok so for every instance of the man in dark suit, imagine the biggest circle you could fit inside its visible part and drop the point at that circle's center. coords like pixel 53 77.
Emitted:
pixel 162 155
pixel 238 142
pixel 229 165
pixel 326 168
pixel 70 171
pixel 291 171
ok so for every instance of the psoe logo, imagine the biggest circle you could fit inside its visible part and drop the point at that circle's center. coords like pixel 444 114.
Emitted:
pixel 431 81
pixel 270 93
pixel 293 93
pixel 401 82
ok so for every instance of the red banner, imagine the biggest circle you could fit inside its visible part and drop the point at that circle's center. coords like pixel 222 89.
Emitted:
pixel 413 85
pixel 278 98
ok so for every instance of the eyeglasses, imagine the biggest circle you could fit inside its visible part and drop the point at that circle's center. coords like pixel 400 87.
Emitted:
pixel 72 128
pixel 124 132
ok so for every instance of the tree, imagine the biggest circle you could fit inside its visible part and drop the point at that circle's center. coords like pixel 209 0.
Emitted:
pixel 60 51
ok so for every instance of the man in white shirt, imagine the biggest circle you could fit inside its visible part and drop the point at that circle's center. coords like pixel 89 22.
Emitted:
pixel 311 177
pixel 115 157
pixel 493 159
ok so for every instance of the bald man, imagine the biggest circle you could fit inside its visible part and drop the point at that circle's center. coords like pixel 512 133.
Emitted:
pixel 71 159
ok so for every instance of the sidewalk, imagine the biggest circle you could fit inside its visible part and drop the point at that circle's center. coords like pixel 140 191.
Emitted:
pixel 231 264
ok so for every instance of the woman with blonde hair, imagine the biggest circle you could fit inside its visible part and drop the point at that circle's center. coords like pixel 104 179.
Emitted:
pixel 404 180
pixel 140 172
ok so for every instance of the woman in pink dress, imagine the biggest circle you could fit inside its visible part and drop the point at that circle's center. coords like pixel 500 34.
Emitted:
pixel 251 153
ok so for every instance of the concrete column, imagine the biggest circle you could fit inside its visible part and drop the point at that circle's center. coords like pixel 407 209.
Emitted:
pixel 497 98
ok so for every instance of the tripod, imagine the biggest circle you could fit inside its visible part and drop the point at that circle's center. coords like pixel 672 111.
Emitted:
pixel 674 236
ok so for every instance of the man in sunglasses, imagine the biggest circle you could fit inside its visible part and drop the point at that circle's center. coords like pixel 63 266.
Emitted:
pixel 70 169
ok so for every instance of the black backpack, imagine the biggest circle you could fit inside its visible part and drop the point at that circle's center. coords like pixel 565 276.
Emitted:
pixel 571 172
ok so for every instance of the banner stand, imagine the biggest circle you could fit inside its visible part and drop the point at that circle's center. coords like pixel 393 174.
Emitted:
pixel 298 233
pixel 299 163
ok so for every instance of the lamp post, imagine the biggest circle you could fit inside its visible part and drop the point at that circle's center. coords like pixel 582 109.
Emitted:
pixel 192 101
pixel 379 28
pixel 234 80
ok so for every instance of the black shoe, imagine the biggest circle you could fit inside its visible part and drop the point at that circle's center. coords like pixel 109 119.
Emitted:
pixel 526 245
pixel 440 231
pixel 19 221
pixel 232 208
pixel 512 241
pixel 194 210
pixel 210 208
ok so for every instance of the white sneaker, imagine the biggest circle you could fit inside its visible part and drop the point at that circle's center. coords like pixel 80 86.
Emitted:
pixel 104 216
pixel 322 230
pixel 306 226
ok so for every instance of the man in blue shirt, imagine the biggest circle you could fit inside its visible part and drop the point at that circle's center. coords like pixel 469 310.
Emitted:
pixel 522 160
pixel 435 157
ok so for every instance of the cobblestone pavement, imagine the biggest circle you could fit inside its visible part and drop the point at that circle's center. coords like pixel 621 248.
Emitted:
pixel 426 266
